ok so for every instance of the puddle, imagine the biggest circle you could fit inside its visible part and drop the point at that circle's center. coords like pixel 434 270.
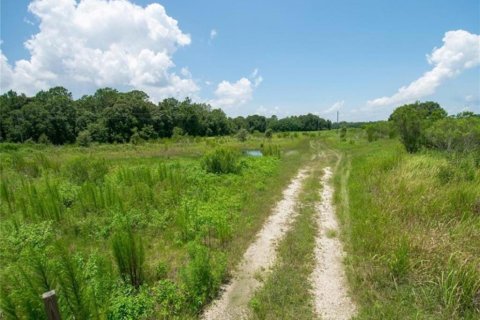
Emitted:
pixel 253 153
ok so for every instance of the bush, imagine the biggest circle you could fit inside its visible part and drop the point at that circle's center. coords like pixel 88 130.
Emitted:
pixel 177 133
pixel 449 134
pixel 129 256
pixel 202 276
pixel 81 170
pixel 269 134
pixel 221 160
pixel 136 139
pixel 148 133
pixel 343 133
pixel 272 150
pixel 84 139
pixel 242 135
pixel 43 139
pixel 128 304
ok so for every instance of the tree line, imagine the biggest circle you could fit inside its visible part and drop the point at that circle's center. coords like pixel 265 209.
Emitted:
pixel 426 125
pixel 108 116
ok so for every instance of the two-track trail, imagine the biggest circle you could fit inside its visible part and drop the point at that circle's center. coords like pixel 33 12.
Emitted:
pixel 329 287
pixel 259 257
pixel 331 299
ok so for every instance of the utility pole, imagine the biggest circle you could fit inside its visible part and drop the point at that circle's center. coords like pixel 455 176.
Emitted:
pixel 338 111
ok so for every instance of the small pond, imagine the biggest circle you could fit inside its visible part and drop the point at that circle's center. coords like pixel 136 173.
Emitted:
pixel 253 153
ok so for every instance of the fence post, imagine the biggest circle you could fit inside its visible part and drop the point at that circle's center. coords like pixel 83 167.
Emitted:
pixel 51 306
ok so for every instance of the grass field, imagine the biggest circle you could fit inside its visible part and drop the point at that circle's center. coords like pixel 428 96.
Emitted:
pixel 411 227
pixel 132 232
pixel 80 220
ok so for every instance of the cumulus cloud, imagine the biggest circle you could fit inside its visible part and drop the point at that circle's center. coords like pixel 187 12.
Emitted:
pixel 95 43
pixel 238 93
pixel 234 94
pixel 460 51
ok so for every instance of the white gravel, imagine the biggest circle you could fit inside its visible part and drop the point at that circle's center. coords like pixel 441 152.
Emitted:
pixel 329 282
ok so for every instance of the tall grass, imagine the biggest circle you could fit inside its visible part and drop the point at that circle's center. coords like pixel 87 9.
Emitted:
pixel 130 257
pixel 94 224
pixel 221 160
pixel 405 215
pixel 459 287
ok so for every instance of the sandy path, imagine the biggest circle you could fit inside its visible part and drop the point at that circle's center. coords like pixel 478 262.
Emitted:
pixel 329 282
pixel 259 257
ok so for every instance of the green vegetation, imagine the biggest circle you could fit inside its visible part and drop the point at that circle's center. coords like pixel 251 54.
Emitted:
pixel 53 116
pixel 130 231
pixel 410 225
pixel 221 161
pixel 152 228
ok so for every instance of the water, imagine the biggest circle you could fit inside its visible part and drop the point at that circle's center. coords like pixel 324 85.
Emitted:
pixel 253 153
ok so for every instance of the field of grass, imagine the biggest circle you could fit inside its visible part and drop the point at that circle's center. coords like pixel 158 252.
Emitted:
pixel 151 231
pixel 411 229
pixel 124 231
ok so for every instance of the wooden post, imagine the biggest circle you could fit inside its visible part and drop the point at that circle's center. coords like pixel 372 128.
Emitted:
pixel 51 306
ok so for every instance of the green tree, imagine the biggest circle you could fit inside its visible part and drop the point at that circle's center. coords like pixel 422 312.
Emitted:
pixel 409 125
pixel 242 135
pixel 84 139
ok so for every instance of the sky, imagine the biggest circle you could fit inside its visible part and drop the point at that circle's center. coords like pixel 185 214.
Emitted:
pixel 361 58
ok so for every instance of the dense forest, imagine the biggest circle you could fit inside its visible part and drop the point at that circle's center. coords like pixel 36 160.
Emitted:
pixel 53 116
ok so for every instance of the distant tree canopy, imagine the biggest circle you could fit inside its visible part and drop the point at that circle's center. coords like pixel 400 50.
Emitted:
pixel 426 124
pixel 111 116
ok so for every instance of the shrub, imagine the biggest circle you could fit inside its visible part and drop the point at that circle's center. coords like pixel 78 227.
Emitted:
pixel 170 299
pixel 43 139
pixel 84 139
pixel 81 170
pixel 136 138
pixel 409 124
pixel 202 276
pixel 221 160
pixel 272 150
pixel 177 133
pixel 242 135
pixel 269 134
pixel 148 133
pixel 128 304
pixel 343 133
pixel 449 134
pixel 129 256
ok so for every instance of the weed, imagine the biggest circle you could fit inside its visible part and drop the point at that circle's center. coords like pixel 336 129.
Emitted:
pixel 221 160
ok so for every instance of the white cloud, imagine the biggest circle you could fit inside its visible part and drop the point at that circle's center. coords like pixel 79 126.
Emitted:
pixel 268 112
pixel 334 107
pixel 236 94
pixel 230 94
pixel 213 34
pixel 257 81
pixel 95 43
pixel 460 51
pixel 256 78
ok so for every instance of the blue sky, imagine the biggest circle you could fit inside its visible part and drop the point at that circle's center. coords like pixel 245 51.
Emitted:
pixel 253 56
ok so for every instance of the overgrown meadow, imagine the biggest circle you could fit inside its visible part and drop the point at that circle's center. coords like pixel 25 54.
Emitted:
pixel 133 231
pixel 411 226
